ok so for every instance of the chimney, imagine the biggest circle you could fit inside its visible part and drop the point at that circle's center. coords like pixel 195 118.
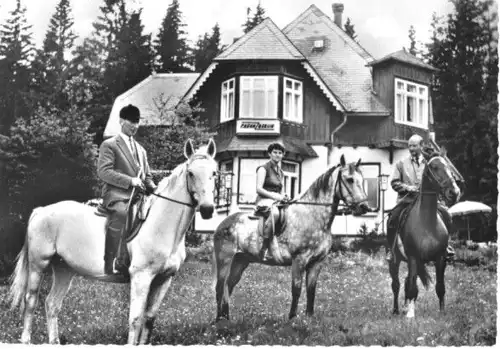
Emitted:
pixel 338 8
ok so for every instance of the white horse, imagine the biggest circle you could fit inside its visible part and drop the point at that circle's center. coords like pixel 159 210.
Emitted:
pixel 69 237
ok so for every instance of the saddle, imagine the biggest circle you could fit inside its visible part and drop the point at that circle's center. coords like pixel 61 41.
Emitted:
pixel 136 214
pixel 263 213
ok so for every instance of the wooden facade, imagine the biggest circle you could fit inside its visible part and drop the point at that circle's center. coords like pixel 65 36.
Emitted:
pixel 319 115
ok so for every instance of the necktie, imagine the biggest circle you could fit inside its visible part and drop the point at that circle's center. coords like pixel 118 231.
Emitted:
pixel 416 161
pixel 134 150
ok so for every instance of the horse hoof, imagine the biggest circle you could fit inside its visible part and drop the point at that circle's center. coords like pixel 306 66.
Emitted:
pixel 395 312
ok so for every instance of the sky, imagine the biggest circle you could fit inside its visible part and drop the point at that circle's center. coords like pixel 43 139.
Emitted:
pixel 381 25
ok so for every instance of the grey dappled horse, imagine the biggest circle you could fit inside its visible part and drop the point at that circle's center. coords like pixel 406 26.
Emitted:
pixel 303 243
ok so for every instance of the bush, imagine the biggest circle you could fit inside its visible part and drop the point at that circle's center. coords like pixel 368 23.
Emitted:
pixel 48 158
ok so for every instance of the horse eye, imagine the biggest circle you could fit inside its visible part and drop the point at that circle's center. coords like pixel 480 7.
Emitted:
pixel 214 173
pixel 350 180
pixel 191 174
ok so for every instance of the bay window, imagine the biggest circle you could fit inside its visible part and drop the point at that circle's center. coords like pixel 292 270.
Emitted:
pixel 227 100
pixel 259 97
pixel 411 106
pixel 292 100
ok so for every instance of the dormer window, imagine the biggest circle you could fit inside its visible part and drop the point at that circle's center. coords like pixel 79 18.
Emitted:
pixel 411 105
pixel 227 100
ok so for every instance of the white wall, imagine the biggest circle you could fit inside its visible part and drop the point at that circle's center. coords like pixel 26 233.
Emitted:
pixel 311 169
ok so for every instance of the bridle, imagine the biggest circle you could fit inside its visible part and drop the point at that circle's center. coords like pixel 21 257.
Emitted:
pixel 194 202
pixel 442 183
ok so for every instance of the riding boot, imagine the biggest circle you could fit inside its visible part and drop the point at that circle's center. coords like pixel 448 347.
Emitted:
pixel 112 240
pixel 391 236
pixel 448 221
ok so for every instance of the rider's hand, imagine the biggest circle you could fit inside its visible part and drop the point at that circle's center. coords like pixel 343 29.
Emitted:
pixel 137 182
pixel 412 189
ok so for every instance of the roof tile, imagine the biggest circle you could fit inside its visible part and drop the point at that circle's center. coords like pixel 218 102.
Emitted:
pixel 341 63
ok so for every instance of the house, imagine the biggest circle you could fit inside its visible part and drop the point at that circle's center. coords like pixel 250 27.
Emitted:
pixel 321 93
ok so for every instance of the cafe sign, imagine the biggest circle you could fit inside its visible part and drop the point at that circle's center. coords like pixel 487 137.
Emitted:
pixel 258 127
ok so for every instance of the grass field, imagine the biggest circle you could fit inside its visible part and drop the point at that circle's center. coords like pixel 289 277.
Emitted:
pixel 353 307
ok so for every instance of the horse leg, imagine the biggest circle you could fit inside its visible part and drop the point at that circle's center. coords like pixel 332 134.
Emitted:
pixel 140 283
pixel 297 276
pixel 312 273
pixel 227 281
pixel 35 277
pixel 61 281
pixel 411 287
pixel 394 271
pixel 440 286
pixel 158 289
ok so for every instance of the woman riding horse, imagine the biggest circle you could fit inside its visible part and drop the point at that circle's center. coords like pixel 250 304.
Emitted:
pixel 270 187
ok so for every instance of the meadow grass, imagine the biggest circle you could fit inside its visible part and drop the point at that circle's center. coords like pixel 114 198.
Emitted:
pixel 353 307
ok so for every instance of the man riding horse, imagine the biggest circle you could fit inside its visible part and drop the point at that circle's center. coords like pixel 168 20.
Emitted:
pixel 406 180
pixel 122 166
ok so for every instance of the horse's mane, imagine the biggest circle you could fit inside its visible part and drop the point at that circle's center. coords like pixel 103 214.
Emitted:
pixel 429 153
pixel 171 180
pixel 322 182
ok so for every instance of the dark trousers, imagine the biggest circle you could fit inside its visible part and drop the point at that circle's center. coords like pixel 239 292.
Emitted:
pixel 116 224
pixel 393 221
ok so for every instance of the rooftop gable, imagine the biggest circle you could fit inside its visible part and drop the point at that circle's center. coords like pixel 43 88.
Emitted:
pixel 156 97
pixel 404 57
pixel 265 41
pixel 340 64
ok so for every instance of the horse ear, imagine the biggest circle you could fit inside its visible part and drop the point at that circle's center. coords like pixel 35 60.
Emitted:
pixel 358 163
pixel 342 160
pixel 443 151
pixel 188 148
pixel 211 149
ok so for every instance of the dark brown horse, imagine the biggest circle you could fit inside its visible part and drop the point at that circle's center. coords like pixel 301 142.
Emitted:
pixel 303 243
pixel 423 236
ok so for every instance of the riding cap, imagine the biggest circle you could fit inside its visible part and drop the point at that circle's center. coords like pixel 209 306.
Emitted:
pixel 130 113
pixel 276 145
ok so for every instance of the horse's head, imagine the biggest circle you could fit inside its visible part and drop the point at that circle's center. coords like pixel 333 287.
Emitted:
pixel 201 170
pixel 349 187
pixel 440 178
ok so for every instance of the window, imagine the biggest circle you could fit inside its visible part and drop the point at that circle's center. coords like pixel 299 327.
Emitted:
pixel 259 97
pixel 292 100
pixel 227 100
pixel 371 186
pixel 247 181
pixel 411 105
pixel 291 180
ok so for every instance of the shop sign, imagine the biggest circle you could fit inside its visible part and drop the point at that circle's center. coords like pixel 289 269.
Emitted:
pixel 256 127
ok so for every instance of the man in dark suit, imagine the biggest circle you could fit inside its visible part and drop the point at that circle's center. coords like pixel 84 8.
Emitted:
pixel 122 166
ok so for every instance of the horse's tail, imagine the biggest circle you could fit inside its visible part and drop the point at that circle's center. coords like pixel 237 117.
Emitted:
pixel 423 274
pixel 19 278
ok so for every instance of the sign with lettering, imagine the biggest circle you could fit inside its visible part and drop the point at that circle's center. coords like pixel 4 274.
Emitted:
pixel 258 127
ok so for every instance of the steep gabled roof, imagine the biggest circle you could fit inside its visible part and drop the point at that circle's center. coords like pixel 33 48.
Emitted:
pixel 156 95
pixel 265 41
pixel 405 57
pixel 341 63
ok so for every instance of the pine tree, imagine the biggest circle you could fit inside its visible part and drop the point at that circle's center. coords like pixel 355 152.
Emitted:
pixel 172 51
pixel 413 42
pixel 465 97
pixel 129 61
pixel 51 66
pixel 207 48
pixel 257 18
pixel 349 29
pixel 16 52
